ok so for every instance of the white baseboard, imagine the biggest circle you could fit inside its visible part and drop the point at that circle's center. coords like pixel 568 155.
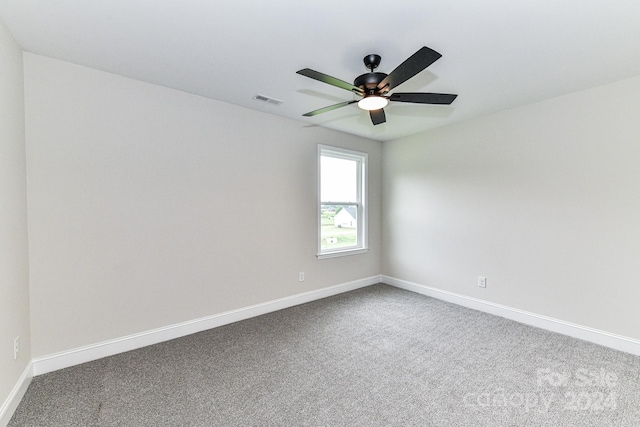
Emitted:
pixel 13 400
pixel 617 342
pixel 76 356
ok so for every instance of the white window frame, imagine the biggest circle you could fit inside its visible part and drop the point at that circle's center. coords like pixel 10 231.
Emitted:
pixel 361 206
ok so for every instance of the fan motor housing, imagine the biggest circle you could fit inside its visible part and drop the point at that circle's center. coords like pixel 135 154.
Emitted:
pixel 369 81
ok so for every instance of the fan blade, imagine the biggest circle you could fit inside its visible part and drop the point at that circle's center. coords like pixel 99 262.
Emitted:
pixel 409 68
pixel 329 108
pixel 307 72
pixel 423 98
pixel 377 116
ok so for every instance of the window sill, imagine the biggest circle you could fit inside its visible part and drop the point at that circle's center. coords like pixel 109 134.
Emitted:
pixel 342 253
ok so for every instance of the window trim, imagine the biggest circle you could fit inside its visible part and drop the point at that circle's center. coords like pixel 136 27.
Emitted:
pixel 361 203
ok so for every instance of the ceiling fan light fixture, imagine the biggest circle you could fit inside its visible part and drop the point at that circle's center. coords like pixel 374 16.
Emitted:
pixel 374 87
pixel 373 102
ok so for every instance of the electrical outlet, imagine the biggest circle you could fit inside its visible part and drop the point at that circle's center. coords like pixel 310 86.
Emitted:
pixel 482 282
pixel 16 348
pixel 301 276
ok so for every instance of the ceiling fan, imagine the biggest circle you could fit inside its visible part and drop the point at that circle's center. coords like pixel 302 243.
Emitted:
pixel 374 87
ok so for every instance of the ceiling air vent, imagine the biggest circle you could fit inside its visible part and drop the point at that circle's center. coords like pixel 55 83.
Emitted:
pixel 268 100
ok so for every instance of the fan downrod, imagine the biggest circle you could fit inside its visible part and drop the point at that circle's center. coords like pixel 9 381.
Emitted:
pixel 368 82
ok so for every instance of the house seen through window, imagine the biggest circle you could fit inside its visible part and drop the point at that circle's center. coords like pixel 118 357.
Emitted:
pixel 342 216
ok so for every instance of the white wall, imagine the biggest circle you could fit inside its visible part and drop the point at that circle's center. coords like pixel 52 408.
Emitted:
pixel 149 206
pixel 543 200
pixel 14 267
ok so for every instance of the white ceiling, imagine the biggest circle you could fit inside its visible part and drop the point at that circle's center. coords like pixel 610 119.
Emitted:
pixel 497 54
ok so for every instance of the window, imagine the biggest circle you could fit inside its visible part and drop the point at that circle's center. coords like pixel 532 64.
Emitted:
pixel 342 216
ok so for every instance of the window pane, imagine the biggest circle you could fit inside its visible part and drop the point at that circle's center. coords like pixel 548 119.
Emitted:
pixel 342 176
pixel 338 226
pixel 339 179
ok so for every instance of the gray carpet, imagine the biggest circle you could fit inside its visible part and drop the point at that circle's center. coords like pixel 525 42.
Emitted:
pixel 377 356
